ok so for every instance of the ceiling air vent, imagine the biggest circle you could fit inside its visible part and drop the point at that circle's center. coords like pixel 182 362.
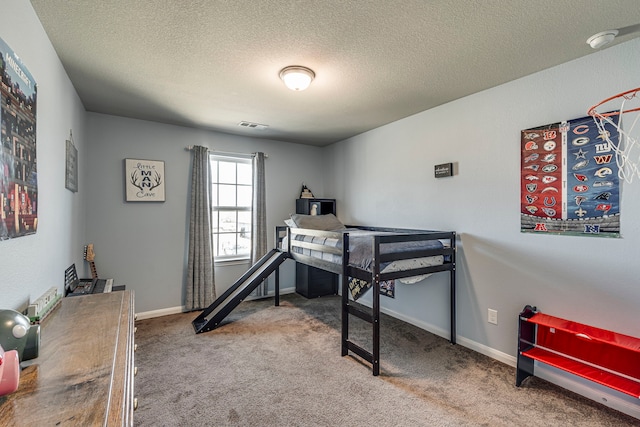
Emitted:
pixel 251 125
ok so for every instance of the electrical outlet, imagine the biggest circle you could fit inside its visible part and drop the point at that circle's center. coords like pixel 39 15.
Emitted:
pixel 492 316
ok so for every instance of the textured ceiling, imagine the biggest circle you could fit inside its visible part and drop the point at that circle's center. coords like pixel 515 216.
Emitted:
pixel 212 64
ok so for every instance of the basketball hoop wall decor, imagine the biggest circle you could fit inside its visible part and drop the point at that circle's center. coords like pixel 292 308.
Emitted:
pixel 569 180
pixel 144 180
pixel 622 113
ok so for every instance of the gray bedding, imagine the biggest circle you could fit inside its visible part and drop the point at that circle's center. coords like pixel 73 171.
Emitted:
pixel 361 251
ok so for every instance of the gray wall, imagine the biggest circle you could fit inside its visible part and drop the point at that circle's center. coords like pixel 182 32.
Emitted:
pixel 32 264
pixel 385 177
pixel 143 245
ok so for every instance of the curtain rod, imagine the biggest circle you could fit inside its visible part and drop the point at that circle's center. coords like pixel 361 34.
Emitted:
pixel 190 147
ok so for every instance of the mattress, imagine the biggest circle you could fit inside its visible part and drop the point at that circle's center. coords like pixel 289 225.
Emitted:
pixel 361 252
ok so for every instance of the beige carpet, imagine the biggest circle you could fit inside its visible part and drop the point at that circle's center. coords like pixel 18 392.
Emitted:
pixel 281 366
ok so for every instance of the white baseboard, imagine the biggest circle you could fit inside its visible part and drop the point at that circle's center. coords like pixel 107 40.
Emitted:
pixel 180 309
pixel 160 313
pixel 596 392
pixel 465 342
pixel 589 389
pixel 283 291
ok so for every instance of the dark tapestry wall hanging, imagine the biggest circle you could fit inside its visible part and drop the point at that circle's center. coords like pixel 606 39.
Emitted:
pixel 18 172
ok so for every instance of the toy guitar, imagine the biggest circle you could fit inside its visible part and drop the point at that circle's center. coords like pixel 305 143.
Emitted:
pixel 90 256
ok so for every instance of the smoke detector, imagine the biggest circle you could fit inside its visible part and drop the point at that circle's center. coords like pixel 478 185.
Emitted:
pixel 603 38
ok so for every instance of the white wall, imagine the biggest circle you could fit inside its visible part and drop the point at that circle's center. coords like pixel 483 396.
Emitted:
pixel 32 264
pixel 143 245
pixel 385 177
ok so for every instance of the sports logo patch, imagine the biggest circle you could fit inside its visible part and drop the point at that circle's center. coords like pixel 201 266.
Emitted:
pixel 603 147
pixel 531 145
pixel 602 172
pixel 603 160
pixel 580 213
pixel 581 129
pixel 592 228
pixel 580 141
pixel 580 165
pixel 580 154
pixel 579 200
pixel 531 158
pixel 603 196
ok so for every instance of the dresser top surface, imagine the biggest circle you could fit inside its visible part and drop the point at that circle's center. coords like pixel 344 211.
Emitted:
pixel 71 380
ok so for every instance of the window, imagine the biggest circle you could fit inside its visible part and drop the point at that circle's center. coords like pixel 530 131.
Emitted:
pixel 231 182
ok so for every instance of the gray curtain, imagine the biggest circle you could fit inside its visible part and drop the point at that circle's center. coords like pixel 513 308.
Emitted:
pixel 200 292
pixel 259 217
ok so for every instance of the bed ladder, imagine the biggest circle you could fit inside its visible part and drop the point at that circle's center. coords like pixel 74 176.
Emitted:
pixel 372 315
pixel 368 315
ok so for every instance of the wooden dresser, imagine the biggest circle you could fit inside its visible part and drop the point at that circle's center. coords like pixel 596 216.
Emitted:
pixel 83 375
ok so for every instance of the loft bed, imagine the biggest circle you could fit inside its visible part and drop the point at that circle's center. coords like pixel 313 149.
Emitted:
pixel 374 255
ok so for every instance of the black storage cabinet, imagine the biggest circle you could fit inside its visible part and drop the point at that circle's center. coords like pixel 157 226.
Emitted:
pixel 313 282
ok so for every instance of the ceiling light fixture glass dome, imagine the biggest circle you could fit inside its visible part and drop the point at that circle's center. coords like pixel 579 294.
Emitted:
pixel 296 77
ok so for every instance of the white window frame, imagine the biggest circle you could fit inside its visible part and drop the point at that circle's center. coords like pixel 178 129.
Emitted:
pixel 216 208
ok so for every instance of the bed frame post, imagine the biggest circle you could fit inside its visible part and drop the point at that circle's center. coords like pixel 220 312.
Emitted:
pixel 345 294
pixel 375 283
pixel 279 230
pixel 277 287
pixel 452 283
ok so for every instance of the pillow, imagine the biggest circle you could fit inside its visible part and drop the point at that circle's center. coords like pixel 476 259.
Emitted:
pixel 327 222
pixel 289 222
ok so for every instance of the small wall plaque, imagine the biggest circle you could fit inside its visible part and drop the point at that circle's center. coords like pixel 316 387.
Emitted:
pixel 443 170
pixel 71 173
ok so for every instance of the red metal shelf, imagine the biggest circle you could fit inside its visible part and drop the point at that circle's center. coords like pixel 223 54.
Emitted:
pixel 599 376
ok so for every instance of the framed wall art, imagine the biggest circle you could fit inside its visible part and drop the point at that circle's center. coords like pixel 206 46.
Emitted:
pixel 569 180
pixel 144 180
pixel 18 161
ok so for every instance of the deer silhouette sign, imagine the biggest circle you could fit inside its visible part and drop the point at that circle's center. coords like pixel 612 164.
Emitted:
pixel 144 181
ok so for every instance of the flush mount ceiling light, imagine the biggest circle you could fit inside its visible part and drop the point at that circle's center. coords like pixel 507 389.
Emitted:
pixel 596 41
pixel 296 77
